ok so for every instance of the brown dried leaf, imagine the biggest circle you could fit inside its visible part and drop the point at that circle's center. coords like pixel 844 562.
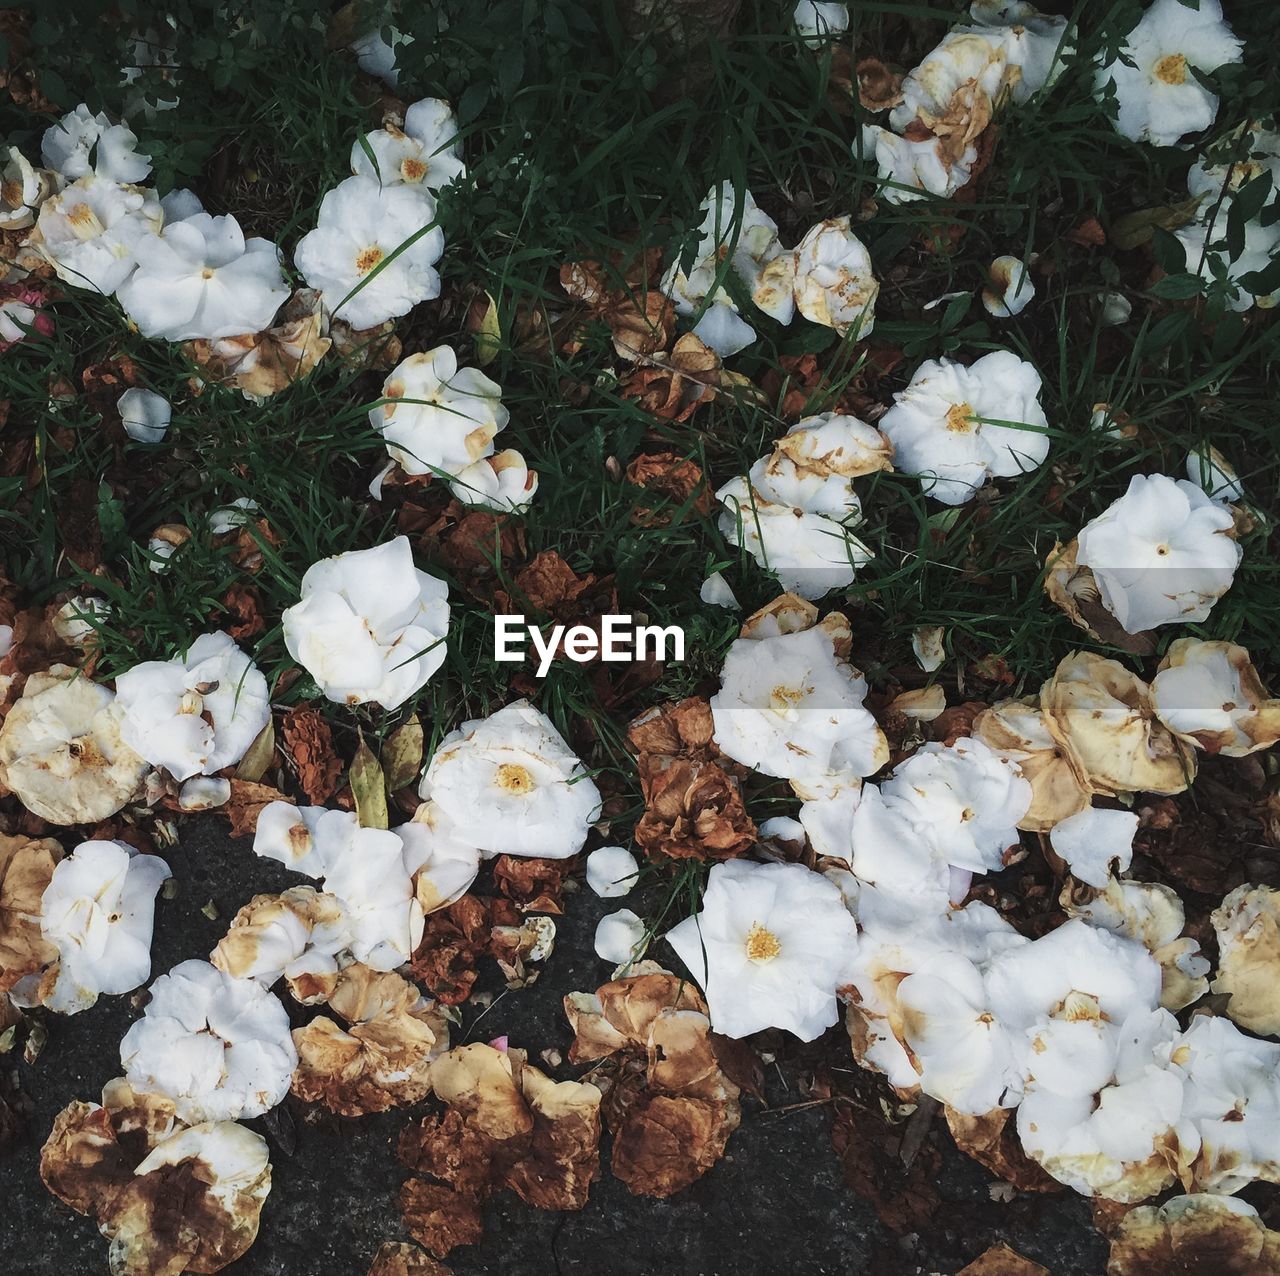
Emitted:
pixel 439 1218
pixel 1000 1260
pixel 993 1143
pixel 308 740
pixel 399 1258
pixel 245 805
pixel 26 869
pixel 677 481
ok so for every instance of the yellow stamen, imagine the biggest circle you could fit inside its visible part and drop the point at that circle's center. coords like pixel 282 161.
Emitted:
pixel 762 944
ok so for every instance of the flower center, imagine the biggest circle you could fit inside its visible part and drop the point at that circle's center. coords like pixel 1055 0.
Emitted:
pixel 762 944
pixel 1162 550
pixel 515 779
pixel 368 258
pixel 207 273
pixel 960 419
pixel 1172 69
pixel 413 170
pixel 783 698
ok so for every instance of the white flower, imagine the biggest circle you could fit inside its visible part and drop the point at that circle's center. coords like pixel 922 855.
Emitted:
pixel 426 152
pixel 1261 154
pixel 1208 468
pixel 788 706
pixel 502 481
pixel 204 793
pixel 61 751
pixel 509 783
pixel 956 426
pixel 80 144
pixel 619 936
pixel 144 414
pixel 307 839
pixel 1159 96
pixel 914 168
pixel 1153 915
pixel 1205 243
pixel 1231 1106
pixel 748 238
pixel 202 279
pixel 23 189
pixel 98 910
pixel 299 932
pixel 770 947
pixel 612 871
pixel 442 863
pixel 819 20
pixel 376 56
pixel 1209 694
pixel 1162 553
pixel 380 912
pixel 78 619
pixel 437 416
pixel 94 231
pixel 369 626
pixel 811 552
pixel 361 225
pixel 218 1047
pixel 1095 843
pixel 963 799
pixel 834 285
pixel 1033 43
pixel 969 67
pixel 196 714
pixel 1009 287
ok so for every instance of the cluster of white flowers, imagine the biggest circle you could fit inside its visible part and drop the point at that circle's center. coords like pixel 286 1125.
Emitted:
pixel 796 509
pixel 827 277
pixel 440 419
pixel 1009 54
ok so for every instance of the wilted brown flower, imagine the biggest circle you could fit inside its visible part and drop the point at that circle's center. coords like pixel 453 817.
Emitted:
pixel 992 1142
pixel 383 1059
pixel 399 1258
pixel 533 886
pixel 26 869
pixel 244 608
pixel 245 804
pixel 170 1198
pixel 878 87
pixel 676 480
pixel 1000 1260
pixel 679 728
pixel 1074 590
pixel 1190 1235
pixel 309 742
pixel 670 1104
pixel 673 386
pixel 626 298
pixel 693 810
pixel 468 541
pixel 507 1125
pixel 454 940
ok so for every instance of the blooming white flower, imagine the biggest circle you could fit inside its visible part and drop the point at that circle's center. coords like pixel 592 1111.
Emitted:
pixel 94 230
pixel 23 188
pixel 82 143
pixel 619 936
pixel 509 783
pixel 612 871
pixel 834 284
pixel 819 20
pixel 380 911
pixel 956 426
pixel 442 862
pixel 1161 553
pixel 796 525
pixel 1208 255
pixel 218 1047
pixel 307 839
pixel 1219 172
pixel 747 238
pixel 788 706
pixel 502 481
pixel 196 714
pixel 1209 694
pixel 770 946
pixel 98 910
pixel 426 152
pixel 144 414
pixel 913 168
pixel 1095 843
pixel 61 751
pixel 1158 94
pixel 363 226
pixel 203 279
pixel 437 416
pixel 1009 287
pixel 369 626
pixel 963 799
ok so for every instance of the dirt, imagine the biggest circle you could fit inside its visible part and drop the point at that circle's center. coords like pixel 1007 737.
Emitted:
pixel 776 1203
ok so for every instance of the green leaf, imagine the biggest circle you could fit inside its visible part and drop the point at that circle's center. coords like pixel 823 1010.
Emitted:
pixel 1177 287
pixel 402 754
pixel 369 788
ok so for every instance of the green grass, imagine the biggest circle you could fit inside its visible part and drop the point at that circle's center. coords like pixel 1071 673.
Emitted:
pixel 581 142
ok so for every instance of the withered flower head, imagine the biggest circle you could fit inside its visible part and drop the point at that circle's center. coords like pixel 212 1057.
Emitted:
pixel 693 810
